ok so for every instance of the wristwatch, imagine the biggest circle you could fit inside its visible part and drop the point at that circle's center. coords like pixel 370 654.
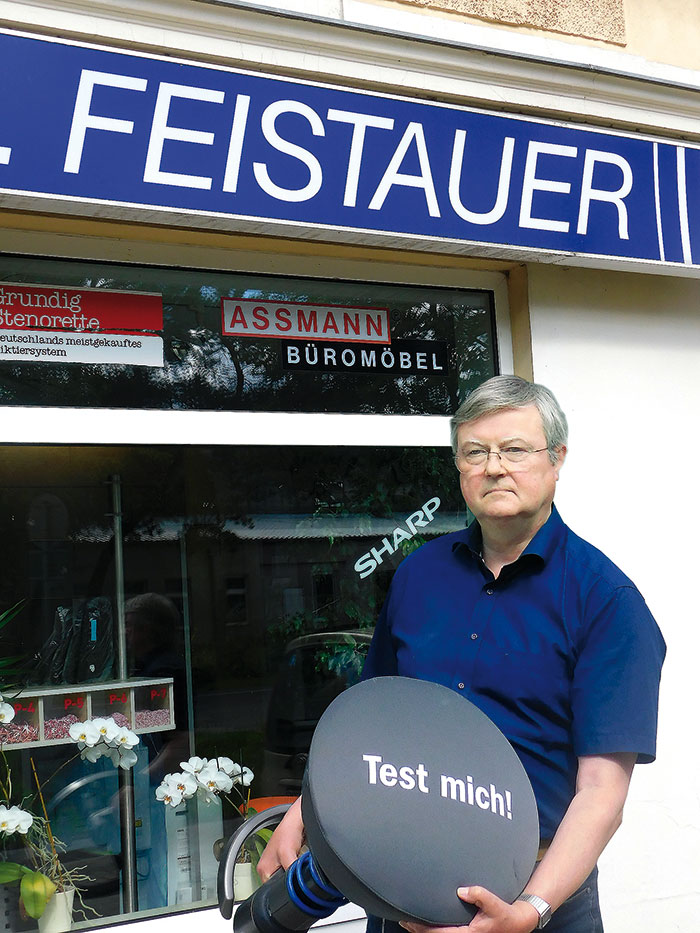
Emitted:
pixel 541 906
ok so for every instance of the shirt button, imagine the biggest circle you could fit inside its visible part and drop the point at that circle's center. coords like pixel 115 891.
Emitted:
pixel 461 686
pixel 473 636
pixel 489 591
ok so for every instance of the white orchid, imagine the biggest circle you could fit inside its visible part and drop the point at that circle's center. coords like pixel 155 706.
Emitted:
pixel 7 712
pixel 14 820
pixel 186 784
pixel 239 775
pixel 124 738
pixel 107 728
pixel 211 778
pixel 93 752
pixel 194 765
pixel 102 737
pixel 4 821
pixel 245 777
pixel 22 819
pixel 127 758
pixel 85 734
pixel 228 766
pixel 168 794
pixel 207 778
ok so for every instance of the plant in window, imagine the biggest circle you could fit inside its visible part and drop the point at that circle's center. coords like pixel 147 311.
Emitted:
pixel 207 779
pixel 104 737
pixel 8 665
pixel 44 876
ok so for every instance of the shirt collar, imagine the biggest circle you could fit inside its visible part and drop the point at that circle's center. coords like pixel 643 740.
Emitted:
pixel 542 546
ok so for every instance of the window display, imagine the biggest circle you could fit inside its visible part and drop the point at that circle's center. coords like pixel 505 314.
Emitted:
pixel 184 648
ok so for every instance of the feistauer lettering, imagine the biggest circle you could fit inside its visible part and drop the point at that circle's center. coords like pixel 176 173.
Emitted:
pixel 289 151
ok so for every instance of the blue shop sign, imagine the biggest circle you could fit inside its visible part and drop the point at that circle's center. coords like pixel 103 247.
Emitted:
pixel 88 125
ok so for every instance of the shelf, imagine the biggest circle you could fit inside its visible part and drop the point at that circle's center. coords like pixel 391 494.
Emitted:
pixel 43 715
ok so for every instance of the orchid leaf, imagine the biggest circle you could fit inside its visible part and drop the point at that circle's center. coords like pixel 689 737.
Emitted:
pixel 10 871
pixel 9 614
pixel 255 845
pixel 35 890
pixel 10 667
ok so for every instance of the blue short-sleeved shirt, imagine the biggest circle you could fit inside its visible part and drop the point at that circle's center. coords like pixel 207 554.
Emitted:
pixel 560 651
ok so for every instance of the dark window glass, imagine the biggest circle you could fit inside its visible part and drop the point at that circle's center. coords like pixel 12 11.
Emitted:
pixel 442 345
pixel 216 600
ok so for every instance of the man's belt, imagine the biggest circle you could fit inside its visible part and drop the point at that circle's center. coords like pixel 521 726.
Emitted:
pixel 542 851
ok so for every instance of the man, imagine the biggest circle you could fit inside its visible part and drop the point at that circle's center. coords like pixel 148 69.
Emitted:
pixel 544 634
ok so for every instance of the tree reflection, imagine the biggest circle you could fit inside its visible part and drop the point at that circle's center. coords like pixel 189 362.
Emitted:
pixel 204 369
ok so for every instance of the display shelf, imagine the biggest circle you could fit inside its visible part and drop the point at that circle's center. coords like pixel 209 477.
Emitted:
pixel 43 715
pixel 25 729
pixel 153 707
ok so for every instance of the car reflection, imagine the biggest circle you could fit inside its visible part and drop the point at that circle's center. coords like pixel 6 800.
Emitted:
pixel 316 668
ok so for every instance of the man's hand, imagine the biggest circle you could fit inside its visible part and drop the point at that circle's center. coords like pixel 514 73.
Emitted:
pixel 494 915
pixel 285 844
pixel 590 821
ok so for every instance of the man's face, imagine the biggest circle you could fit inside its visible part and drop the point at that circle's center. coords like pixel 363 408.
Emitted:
pixel 499 490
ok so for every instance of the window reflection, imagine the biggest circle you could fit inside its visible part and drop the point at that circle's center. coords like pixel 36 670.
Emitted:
pixel 237 614
pixel 447 337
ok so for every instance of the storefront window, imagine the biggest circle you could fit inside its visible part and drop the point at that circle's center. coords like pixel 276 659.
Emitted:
pixel 234 341
pixel 213 600
pixel 198 603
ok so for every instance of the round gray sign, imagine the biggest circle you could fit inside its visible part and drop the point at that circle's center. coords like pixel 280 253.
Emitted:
pixel 410 792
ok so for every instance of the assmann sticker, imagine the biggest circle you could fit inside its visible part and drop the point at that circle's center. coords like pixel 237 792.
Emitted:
pixel 406 357
pixel 245 317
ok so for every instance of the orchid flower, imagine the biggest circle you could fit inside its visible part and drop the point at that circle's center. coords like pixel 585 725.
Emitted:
pixel 7 712
pixel 194 764
pixel 124 738
pixel 127 758
pixel 184 783
pixel 245 777
pixel 85 734
pixel 14 820
pixel 214 780
pixel 228 766
pixel 203 777
pixel 169 795
pixel 107 728
pixel 93 752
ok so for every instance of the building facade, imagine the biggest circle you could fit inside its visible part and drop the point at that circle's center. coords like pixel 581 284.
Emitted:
pixel 251 260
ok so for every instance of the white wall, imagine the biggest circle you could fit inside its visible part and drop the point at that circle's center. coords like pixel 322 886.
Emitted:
pixel 622 354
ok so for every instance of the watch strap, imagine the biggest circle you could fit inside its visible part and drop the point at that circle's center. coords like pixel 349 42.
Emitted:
pixel 541 906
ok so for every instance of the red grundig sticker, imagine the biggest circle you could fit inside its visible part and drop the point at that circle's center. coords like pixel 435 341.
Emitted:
pixel 53 324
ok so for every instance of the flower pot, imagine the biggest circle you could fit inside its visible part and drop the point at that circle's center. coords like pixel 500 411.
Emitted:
pixel 245 881
pixel 58 915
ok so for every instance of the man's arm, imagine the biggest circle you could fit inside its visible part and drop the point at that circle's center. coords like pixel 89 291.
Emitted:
pixel 593 816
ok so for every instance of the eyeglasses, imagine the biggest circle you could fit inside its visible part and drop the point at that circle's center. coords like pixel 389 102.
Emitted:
pixel 477 456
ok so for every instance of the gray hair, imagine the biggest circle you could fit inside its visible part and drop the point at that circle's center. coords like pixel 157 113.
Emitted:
pixel 503 392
